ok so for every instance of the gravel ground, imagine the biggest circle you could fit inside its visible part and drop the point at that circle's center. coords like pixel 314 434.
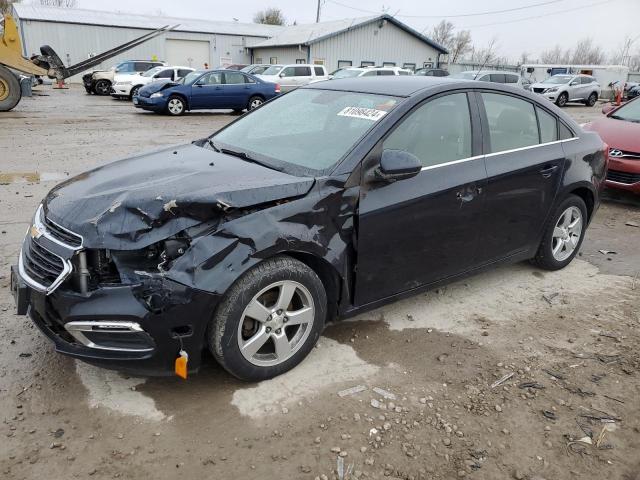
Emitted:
pixel 502 375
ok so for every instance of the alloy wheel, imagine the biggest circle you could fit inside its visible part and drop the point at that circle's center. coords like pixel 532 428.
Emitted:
pixel 276 323
pixel 255 103
pixel 4 89
pixel 566 234
pixel 175 106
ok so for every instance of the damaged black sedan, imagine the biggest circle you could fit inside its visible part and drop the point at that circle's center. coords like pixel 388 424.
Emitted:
pixel 335 198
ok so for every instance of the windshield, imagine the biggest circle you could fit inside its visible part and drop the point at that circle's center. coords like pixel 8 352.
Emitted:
pixel 273 70
pixel 152 72
pixel 629 112
pixel 466 75
pixel 347 73
pixel 558 79
pixel 190 77
pixel 305 131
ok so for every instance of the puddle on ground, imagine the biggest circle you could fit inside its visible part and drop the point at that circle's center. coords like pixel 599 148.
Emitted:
pixel 31 177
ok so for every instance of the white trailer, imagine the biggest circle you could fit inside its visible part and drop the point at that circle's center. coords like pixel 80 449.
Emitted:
pixel 604 74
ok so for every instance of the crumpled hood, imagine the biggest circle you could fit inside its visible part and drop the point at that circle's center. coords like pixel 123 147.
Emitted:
pixel 154 87
pixel 132 203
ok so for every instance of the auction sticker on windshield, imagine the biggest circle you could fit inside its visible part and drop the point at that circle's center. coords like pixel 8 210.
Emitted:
pixel 364 113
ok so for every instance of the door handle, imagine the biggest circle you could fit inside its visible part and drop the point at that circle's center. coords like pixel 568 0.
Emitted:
pixel 546 172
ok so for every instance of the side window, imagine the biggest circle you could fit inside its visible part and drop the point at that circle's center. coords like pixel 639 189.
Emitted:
pixel 319 71
pixel 548 126
pixel 403 72
pixel 586 80
pixel 565 133
pixel 385 72
pixel 409 66
pixel 214 78
pixel 436 132
pixel 168 73
pixel 497 77
pixel 510 78
pixel 430 73
pixel 248 79
pixel 126 67
pixel 183 72
pixel 233 78
pixel 485 78
pixel 370 73
pixel 288 72
pixel 142 66
pixel 302 71
pixel 512 122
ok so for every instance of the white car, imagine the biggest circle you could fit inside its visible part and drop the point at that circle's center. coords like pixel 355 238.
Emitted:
pixel 493 76
pixel 290 77
pixel 564 88
pixel 370 72
pixel 126 86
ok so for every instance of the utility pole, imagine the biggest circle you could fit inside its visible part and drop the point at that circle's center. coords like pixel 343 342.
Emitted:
pixel 318 12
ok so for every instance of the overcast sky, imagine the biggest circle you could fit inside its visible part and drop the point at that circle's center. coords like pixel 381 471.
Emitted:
pixel 559 21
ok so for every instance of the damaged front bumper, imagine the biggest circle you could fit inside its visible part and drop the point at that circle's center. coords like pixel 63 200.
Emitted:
pixel 157 104
pixel 137 329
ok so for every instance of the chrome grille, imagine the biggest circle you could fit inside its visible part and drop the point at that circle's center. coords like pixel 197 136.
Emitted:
pixel 62 234
pixel 623 177
pixel 40 264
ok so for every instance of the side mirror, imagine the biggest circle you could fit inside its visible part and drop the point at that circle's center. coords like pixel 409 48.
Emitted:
pixel 608 108
pixel 281 75
pixel 573 84
pixel 397 165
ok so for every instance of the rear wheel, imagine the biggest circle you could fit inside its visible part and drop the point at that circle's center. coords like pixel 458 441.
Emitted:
pixel 134 91
pixel 255 102
pixel 269 320
pixel 563 234
pixel 175 106
pixel 562 99
pixel 102 87
pixel 591 101
pixel 10 92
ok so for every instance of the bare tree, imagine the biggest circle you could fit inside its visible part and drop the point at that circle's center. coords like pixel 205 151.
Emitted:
pixel 460 45
pixel 59 3
pixel 486 54
pixel 524 58
pixel 586 52
pixel 270 16
pixel 442 33
pixel 555 55
pixel 5 5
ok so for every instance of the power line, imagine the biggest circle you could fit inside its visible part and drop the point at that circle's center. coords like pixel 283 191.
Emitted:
pixel 541 15
pixel 476 14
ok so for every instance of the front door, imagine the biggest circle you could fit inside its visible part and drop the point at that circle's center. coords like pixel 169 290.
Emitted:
pixel 416 231
pixel 207 91
pixel 524 166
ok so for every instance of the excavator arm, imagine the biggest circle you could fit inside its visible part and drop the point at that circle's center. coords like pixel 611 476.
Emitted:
pixel 48 63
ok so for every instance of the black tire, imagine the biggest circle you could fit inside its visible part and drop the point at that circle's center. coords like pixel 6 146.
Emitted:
pixel 224 327
pixel 255 102
pixel 238 111
pixel 562 100
pixel 134 91
pixel 591 101
pixel 175 100
pixel 102 87
pixel 10 91
pixel 544 257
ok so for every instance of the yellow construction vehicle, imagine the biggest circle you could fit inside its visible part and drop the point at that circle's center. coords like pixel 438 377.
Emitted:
pixel 47 63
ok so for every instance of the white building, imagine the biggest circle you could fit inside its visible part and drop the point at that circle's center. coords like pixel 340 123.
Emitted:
pixel 77 34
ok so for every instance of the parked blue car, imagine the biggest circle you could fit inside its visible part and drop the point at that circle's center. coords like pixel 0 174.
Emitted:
pixel 206 89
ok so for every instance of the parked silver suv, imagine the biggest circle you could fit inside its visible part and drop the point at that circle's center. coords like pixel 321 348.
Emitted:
pixel 569 88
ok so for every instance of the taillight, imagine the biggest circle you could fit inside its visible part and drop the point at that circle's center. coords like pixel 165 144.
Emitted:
pixel 277 88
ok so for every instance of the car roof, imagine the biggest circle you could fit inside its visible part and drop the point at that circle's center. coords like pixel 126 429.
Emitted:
pixel 482 72
pixel 396 86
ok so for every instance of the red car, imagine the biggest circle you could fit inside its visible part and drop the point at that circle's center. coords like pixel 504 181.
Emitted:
pixel 620 129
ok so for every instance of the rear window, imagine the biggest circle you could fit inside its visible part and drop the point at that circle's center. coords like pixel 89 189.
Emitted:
pixel 233 77
pixel 565 133
pixel 319 71
pixel 512 122
pixel 548 126
pixel 511 78
pixel 497 77
pixel 302 71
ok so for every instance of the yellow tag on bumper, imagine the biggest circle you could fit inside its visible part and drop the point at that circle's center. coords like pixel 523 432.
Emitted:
pixel 181 364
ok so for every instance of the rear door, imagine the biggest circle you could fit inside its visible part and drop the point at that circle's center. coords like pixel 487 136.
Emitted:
pixel 524 162
pixel 235 90
pixel 418 230
pixel 207 91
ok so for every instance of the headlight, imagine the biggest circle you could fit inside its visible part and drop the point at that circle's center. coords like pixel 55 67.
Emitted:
pixel 156 95
pixel 552 89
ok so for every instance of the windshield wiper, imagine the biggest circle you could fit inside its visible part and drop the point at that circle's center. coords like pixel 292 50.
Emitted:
pixel 243 155
pixel 617 117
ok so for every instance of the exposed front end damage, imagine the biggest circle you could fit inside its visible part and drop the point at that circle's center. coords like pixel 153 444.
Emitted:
pixel 142 273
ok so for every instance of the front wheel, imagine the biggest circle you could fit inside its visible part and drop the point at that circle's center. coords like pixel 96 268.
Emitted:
pixel 563 234
pixel 102 87
pixel 562 99
pixel 591 101
pixel 175 106
pixel 134 91
pixel 255 102
pixel 269 320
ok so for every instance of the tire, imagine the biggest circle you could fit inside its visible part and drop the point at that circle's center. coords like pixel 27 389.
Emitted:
pixel 10 91
pixel 134 91
pixel 569 209
pixel 255 102
pixel 102 87
pixel 591 101
pixel 238 111
pixel 176 106
pixel 233 332
pixel 562 99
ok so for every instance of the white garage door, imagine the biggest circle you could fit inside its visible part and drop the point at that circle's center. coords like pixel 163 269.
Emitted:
pixel 188 53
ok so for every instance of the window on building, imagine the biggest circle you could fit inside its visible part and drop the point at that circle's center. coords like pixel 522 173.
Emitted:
pixel 367 64
pixel 318 61
pixel 273 60
pixel 548 126
pixel 512 122
pixel 300 60
pixel 436 132
pixel 409 66
pixel 427 65
pixel 388 64
pixel 344 63
pixel 258 60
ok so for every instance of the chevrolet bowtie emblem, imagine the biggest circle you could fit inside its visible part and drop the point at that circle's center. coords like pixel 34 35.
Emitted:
pixel 34 232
